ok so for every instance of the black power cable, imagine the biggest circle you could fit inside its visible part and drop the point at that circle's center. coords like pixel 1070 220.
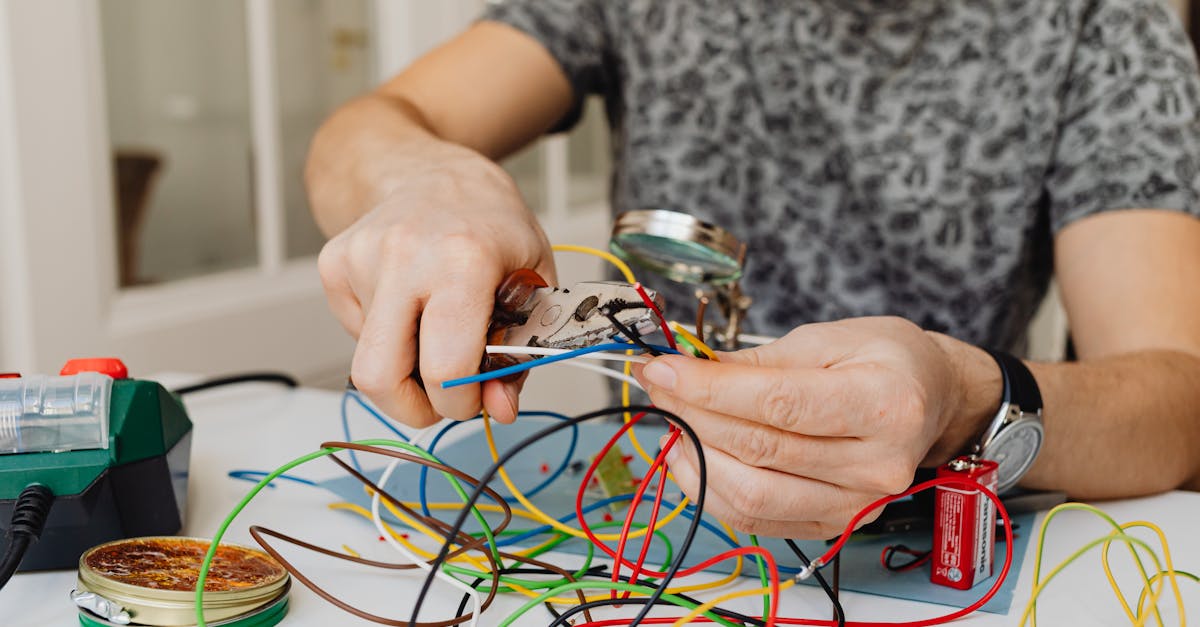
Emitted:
pixel 28 521
pixel 249 377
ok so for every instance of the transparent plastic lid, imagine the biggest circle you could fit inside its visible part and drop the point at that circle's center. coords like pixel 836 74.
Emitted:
pixel 40 413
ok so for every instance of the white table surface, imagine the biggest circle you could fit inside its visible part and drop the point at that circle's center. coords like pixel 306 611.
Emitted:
pixel 260 426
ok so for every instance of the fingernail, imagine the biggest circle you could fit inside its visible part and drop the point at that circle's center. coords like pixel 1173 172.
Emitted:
pixel 659 375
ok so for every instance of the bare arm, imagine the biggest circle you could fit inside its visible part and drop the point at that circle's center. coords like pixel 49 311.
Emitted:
pixel 454 98
pixel 1125 419
pixel 424 224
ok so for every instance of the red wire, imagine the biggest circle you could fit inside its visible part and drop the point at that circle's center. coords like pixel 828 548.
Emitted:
pixel 658 497
pixel 662 320
pixel 744 551
pixel 947 481
pixel 583 524
pixel 632 511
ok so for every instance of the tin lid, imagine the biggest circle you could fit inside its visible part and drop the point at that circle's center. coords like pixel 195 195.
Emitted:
pixel 155 578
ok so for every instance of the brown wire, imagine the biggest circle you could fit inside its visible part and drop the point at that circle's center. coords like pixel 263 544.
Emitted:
pixel 700 310
pixel 465 541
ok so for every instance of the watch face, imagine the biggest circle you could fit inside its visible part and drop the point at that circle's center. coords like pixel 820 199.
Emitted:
pixel 1014 450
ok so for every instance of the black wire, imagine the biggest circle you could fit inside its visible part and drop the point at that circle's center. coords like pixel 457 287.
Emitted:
pixel 249 377
pixel 591 605
pixel 630 335
pixel 838 613
pixel 28 521
pixel 491 472
pixel 528 570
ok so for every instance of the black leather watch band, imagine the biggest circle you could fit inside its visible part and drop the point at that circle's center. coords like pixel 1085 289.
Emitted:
pixel 1020 388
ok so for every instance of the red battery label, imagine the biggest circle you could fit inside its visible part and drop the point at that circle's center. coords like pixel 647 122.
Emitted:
pixel 964 526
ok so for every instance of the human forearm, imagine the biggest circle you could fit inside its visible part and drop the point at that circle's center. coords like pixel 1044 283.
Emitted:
pixel 370 147
pixel 1116 426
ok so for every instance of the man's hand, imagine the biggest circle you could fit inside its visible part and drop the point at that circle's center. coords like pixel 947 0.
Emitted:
pixel 422 268
pixel 802 433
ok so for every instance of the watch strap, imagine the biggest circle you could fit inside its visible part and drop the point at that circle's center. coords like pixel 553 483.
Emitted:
pixel 1020 388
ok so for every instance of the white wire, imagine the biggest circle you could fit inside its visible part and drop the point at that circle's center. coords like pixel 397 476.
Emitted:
pixel 403 550
pixel 537 350
pixel 608 372
pixel 744 338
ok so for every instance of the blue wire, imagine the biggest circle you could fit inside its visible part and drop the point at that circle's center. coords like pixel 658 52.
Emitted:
pixel 421 494
pixel 542 361
pixel 533 533
pixel 254 476
pixel 383 420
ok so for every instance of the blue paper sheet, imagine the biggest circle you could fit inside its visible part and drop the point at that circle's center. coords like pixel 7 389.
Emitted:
pixel 860 568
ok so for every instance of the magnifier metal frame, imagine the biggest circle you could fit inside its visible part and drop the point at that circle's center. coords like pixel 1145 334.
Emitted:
pixel 683 228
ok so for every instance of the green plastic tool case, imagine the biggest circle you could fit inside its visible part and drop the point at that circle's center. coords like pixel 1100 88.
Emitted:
pixel 113 450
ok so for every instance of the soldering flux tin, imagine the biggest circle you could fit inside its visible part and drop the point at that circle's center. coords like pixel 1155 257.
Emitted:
pixel 154 580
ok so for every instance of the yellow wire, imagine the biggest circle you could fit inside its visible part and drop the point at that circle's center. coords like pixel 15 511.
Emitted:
pixel 603 254
pixel 358 509
pixel 1170 570
pixel 694 341
pixel 1156 577
pixel 700 609
pixel 1031 609
pixel 1138 621
pixel 362 511
pixel 546 520
pixel 349 551
pixel 630 278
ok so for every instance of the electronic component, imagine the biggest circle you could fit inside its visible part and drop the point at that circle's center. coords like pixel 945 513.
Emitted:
pixel 113 451
pixel 964 525
pixel 614 476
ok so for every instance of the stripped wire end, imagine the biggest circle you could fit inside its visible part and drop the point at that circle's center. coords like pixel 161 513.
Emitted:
pixel 808 571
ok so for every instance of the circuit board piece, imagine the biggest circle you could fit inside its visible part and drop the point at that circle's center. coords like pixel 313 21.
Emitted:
pixel 614 477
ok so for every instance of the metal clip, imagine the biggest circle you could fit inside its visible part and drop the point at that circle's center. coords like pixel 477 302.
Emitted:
pixel 101 607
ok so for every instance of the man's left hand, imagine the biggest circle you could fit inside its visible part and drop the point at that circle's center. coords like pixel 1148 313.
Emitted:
pixel 802 433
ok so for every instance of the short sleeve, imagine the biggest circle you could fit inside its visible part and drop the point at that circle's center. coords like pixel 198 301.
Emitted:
pixel 1129 136
pixel 575 34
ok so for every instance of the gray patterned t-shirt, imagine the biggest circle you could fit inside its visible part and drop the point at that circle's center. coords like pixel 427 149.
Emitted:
pixel 905 157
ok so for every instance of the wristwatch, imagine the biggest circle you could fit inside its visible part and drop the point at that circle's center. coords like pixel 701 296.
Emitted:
pixel 1015 435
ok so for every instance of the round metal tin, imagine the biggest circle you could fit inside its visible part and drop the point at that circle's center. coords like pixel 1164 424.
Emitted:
pixel 154 579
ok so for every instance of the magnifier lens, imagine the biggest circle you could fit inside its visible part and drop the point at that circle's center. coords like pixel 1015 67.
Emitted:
pixel 680 260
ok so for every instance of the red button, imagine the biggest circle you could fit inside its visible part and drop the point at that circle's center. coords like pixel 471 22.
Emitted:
pixel 110 366
pixel 10 375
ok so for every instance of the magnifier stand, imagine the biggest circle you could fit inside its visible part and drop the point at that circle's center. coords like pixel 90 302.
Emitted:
pixel 733 305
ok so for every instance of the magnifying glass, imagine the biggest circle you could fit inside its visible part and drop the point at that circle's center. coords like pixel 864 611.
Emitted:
pixel 678 246
pixel 688 250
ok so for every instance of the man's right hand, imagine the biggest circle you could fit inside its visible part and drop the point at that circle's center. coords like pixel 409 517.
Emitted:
pixel 421 269
pixel 425 225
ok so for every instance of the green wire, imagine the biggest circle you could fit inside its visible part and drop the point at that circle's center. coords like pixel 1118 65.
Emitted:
pixel 1037 564
pixel 562 537
pixel 1030 608
pixel 304 459
pixel 762 576
pixel 1164 573
pixel 607 585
